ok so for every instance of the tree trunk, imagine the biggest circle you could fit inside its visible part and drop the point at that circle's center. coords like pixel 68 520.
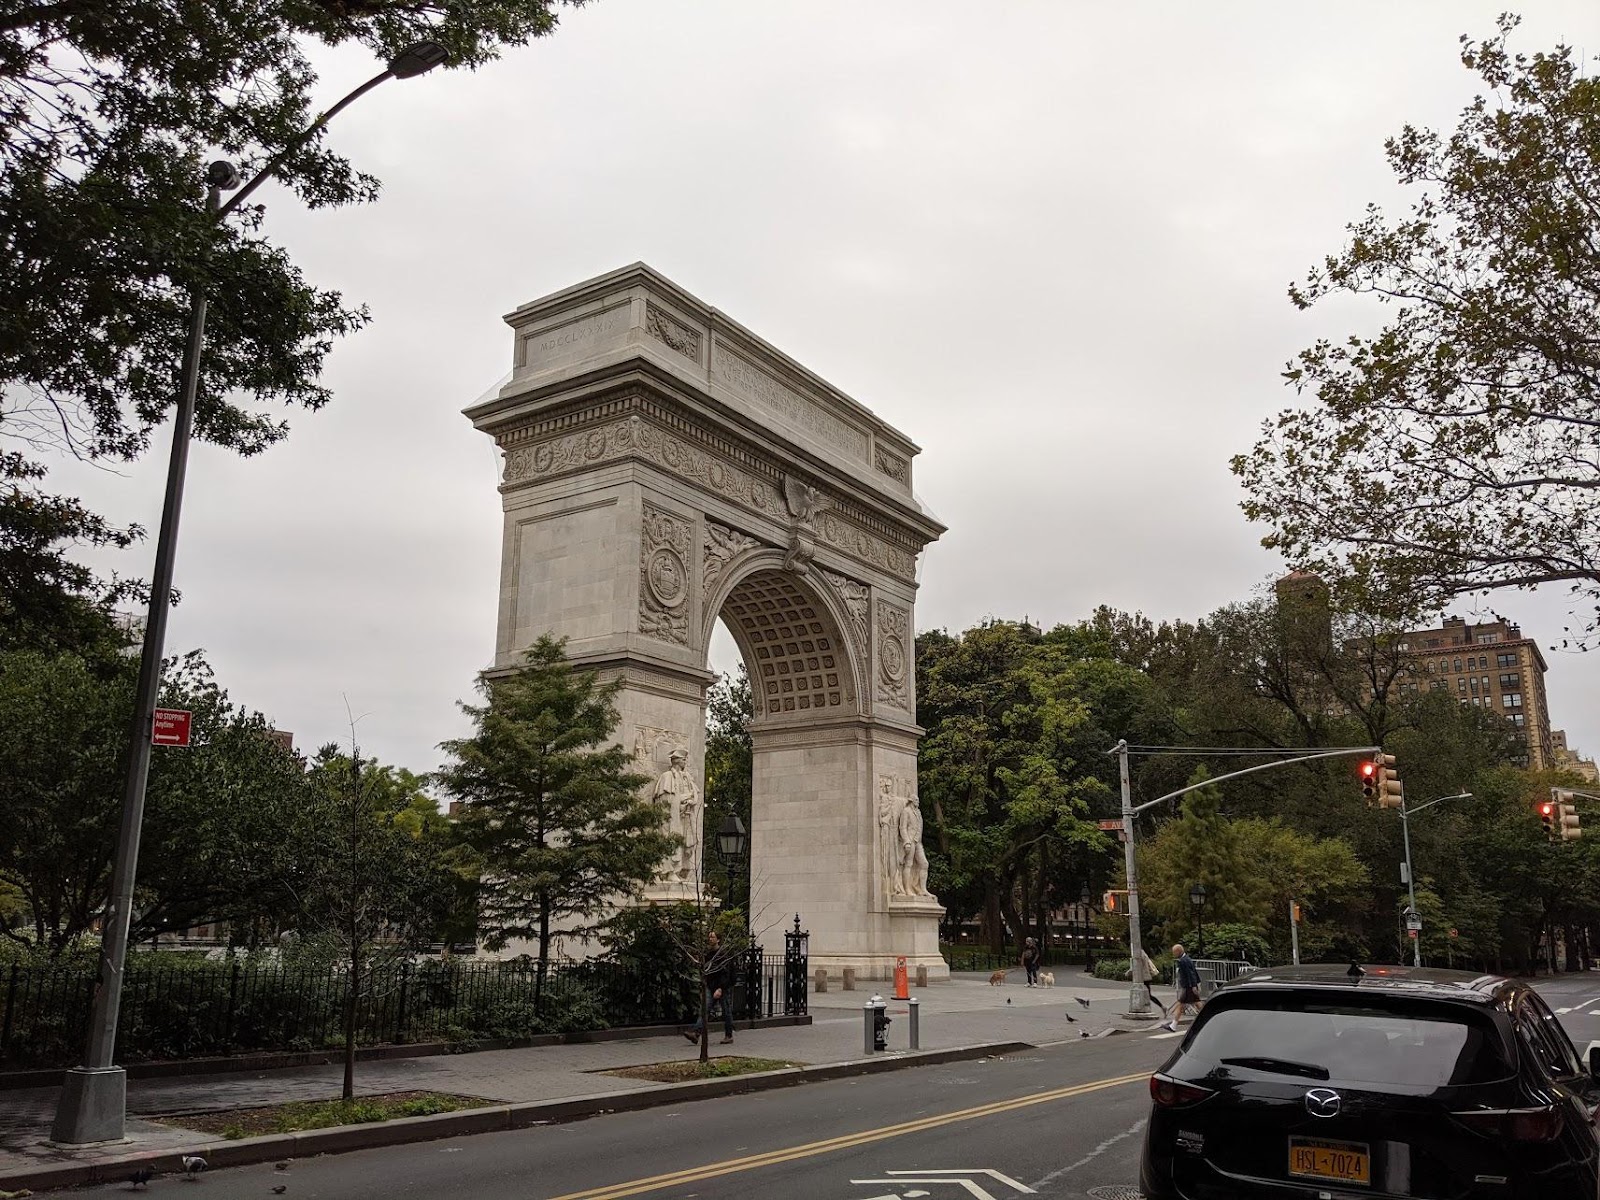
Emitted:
pixel 544 957
pixel 352 1000
pixel 993 928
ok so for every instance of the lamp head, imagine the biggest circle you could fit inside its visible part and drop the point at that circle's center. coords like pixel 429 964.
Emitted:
pixel 418 58
pixel 223 175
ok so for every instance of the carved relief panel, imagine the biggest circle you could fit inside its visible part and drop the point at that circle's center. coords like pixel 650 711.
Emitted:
pixel 894 650
pixel 723 545
pixel 664 576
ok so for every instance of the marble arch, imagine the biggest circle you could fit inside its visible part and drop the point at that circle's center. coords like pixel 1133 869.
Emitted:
pixel 663 466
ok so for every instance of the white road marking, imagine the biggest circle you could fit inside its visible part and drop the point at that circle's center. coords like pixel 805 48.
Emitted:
pixel 1156 1037
pixel 977 1192
pixel 1091 1156
pixel 1561 1012
pixel 990 1171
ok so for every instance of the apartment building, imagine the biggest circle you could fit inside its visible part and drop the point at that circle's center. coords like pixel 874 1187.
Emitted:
pixel 1570 760
pixel 1488 665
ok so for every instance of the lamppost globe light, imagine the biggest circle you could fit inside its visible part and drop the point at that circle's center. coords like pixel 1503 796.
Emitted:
pixel 731 837
pixel 223 175
pixel 418 58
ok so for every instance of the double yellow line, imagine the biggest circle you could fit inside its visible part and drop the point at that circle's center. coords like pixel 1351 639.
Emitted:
pixel 732 1166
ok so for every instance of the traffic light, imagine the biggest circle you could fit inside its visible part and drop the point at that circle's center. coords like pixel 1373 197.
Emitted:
pixel 1387 782
pixel 1547 818
pixel 1569 827
pixel 1369 781
pixel 1109 902
pixel 1297 914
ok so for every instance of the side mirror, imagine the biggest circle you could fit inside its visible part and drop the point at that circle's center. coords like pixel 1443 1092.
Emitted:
pixel 1592 1057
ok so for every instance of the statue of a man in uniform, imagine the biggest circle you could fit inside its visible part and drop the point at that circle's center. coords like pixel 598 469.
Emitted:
pixel 677 792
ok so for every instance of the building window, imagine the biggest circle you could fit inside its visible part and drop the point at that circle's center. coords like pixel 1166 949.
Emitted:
pixel 1474 684
pixel 1518 720
pixel 1485 638
pixel 1461 684
pixel 1511 680
pixel 1458 664
pixel 1486 683
pixel 1512 699
pixel 1505 660
pixel 1439 685
pixel 1430 666
pixel 1433 641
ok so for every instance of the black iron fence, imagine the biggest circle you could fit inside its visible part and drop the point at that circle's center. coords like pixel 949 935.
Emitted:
pixel 185 1008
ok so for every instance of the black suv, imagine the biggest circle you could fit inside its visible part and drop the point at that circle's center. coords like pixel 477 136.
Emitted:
pixel 1333 1082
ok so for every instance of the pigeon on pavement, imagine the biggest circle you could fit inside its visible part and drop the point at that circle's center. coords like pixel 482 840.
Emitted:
pixel 141 1177
pixel 281 1166
pixel 1081 1001
pixel 280 1189
pixel 1071 1019
pixel 193 1164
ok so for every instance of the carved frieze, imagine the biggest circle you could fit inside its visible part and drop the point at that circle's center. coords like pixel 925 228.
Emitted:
pixel 664 576
pixel 671 332
pixel 857 601
pixel 891 465
pixel 634 437
pixel 894 656
pixel 723 545
pixel 803 412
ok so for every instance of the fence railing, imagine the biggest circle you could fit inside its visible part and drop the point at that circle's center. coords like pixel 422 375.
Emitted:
pixel 1218 971
pixel 181 1008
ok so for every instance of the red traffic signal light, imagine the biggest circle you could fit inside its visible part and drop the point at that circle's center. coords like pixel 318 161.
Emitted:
pixel 1547 818
pixel 1369 780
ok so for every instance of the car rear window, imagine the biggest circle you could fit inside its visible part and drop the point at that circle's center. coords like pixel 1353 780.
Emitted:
pixel 1417 1045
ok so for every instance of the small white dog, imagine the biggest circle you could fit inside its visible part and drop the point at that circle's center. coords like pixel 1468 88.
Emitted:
pixel 1046 979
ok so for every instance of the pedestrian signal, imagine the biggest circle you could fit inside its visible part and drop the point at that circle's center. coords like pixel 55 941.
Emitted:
pixel 1547 818
pixel 1109 902
pixel 1297 914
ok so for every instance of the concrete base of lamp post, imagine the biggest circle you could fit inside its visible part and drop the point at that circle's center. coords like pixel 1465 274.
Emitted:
pixel 92 1108
pixel 1139 1004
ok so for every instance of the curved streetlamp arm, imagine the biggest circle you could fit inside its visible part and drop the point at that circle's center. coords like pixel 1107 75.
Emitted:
pixel 300 140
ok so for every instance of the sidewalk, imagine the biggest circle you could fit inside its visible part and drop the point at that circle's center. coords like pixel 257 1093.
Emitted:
pixel 964 1012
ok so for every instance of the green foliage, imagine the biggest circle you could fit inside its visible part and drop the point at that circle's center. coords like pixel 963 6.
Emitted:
pixel 1228 940
pixel 1451 452
pixel 553 822
pixel 729 766
pixel 107 115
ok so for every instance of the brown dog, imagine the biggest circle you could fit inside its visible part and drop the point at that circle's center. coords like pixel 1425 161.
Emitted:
pixel 997 979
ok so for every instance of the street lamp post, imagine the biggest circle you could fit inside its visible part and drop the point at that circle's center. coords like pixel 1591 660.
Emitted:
pixel 1197 900
pixel 93 1103
pixel 1411 879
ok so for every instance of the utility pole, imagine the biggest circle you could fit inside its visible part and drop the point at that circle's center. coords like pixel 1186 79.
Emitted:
pixel 1294 930
pixel 1411 875
pixel 1138 998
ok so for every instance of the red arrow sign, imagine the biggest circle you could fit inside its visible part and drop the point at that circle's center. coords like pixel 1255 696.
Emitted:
pixel 171 727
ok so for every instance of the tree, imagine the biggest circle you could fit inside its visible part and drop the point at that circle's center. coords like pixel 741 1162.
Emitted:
pixel 1452 452
pixel 213 846
pixel 553 818
pixel 730 761
pixel 366 881
pixel 106 116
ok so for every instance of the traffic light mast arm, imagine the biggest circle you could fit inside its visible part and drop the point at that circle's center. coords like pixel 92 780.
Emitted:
pixel 1574 794
pixel 1282 762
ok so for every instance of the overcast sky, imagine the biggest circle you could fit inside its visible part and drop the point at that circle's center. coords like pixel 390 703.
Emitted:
pixel 1049 241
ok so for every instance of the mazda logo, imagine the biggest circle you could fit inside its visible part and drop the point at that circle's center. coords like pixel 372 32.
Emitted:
pixel 1322 1102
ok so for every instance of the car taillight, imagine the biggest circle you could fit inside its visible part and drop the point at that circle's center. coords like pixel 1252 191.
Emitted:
pixel 1169 1093
pixel 1515 1124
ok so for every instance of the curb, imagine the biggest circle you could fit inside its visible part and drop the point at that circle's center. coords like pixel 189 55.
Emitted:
pixel 174 1068
pixel 489 1119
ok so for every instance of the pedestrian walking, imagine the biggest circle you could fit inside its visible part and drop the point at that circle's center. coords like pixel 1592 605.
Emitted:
pixel 718 990
pixel 1030 961
pixel 1187 977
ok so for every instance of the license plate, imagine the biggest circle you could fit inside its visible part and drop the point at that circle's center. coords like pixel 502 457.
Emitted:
pixel 1341 1162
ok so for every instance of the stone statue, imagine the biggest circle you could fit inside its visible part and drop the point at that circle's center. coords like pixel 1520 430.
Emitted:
pixel 678 793
pixel 889 837
pixel 913 859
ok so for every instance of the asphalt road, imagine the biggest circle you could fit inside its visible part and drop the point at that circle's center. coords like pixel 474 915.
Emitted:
pixel 1059 1120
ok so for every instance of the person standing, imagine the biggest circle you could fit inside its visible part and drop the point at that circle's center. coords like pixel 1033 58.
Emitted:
pixel 1030 960
pixel 1187 977
pixel 718 989
pixel 1149 975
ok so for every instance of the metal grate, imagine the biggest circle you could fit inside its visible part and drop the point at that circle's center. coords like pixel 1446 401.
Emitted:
pixel 1116 1191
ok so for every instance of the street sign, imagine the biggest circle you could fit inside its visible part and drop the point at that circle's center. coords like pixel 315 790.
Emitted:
pixel 1413 922
pixel 171 727
pixel 1110 823
pixel 1453 933
pixel 1411 933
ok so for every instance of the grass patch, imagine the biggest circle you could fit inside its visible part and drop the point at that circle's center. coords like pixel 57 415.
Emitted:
pixel 322 1114
pixel 716 1068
